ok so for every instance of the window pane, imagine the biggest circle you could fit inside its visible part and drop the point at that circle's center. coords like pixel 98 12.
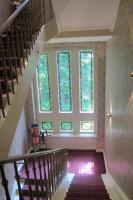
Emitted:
pixel 87 126
pixel 64 81
pixel 66 126
pixel 47 126
pixel 43 84
pixel 86 82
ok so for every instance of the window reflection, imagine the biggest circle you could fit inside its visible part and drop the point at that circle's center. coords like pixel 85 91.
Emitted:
pixel 81 168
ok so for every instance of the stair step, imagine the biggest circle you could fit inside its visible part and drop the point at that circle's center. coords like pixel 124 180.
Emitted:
pixel 25 191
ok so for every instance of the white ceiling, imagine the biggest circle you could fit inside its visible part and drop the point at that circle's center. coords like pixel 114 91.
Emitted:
pixel 75 15
pixel 84 15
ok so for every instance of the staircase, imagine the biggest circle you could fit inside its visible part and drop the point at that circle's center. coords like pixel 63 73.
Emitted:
pixel 87 187
pixel 41 174
pixel 17 38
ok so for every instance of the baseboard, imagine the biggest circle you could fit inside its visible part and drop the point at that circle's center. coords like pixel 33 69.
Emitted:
pixel 113 182
pixel 117 188
pixel 105 162
pixel 99 150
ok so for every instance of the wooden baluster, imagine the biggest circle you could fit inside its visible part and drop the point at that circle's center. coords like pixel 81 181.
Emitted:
pixel 17 177
pixel 35 177
pixel 49 175
pixel 63 163
pixel 57 168
pixel 14 61
pixel 43 12
pixel 18 48
pixel 52 171
pixel 45 178
pixel 5 75
pixel 10 62
pixel 29 24
pixel 40 13
pixel 38 22
pixel 1 101
pixel 32 18
pixel 51 10
pixel 4 182
pixel 25 34
pixel 66 158
pixel 40 173
pixel 24 53
pixel 28 178
pixel 37 16
pixel 47 11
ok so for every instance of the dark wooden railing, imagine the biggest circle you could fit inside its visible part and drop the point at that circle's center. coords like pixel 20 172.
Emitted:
pixel 42 172
pixel 17 38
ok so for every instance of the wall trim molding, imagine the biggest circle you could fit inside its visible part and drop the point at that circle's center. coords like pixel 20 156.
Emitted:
pixel 116 187
pixel 99 150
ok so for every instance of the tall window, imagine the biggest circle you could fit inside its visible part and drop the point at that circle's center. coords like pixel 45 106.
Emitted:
pixel 67 91
pixel 43 84
pixel 86 82
pixel 64 81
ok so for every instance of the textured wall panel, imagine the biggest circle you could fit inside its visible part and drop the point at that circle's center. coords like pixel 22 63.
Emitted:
pixel 119 100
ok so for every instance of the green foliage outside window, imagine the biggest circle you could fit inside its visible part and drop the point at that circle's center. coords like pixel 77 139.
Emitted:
pixel 66 126
pixel 86 82
pixel 64 81
pixel 43 84
pixel 47 126
pixel 87 126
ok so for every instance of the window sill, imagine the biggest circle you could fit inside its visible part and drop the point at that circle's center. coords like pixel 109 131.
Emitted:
pixel 73 135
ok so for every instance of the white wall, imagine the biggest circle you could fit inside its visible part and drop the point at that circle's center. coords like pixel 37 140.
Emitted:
pixel 75 142
pixel 20 141
pixel 119 100
pixel 19 146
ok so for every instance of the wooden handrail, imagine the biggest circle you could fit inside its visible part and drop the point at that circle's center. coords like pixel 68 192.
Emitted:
pixel 17 38
pixel 24 156
pixel 44 170
pixel 12 17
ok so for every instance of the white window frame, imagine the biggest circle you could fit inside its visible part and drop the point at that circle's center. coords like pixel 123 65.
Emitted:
pixel 75 116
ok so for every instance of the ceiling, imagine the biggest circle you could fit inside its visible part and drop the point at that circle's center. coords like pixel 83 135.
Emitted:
pixel 76 16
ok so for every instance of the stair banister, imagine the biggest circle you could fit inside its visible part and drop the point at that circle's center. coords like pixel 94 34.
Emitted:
pixel 17 38
pixel 46 163
pixel 8 22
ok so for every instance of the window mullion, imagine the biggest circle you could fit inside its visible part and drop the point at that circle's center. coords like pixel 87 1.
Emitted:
pixel 54 89
pixel 75 90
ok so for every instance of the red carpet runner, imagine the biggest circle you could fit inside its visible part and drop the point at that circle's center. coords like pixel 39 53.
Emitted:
pixel 87 187
pixel 87 183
